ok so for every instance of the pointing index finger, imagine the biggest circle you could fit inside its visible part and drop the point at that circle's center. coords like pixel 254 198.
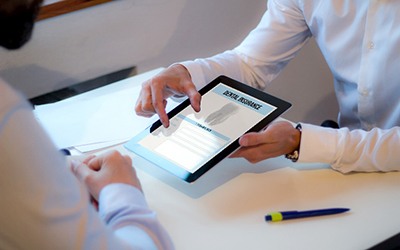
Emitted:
pixel 159 105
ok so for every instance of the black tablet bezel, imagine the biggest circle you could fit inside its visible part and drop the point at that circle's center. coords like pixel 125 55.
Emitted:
pixel 281 107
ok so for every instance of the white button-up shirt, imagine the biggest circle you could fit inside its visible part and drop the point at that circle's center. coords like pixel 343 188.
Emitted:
pixel 43 206
pixel 360 40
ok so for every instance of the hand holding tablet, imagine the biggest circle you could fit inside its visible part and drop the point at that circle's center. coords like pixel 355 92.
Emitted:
pixel 196 141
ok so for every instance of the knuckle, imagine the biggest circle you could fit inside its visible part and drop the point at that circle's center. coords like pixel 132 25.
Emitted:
pixel 115 153
pixel 128 159
pixel 138 109
pixel 88 179
pixel 146 84
pixel 253 160
pixel 156 81
pixel 255 157
pixel 145 108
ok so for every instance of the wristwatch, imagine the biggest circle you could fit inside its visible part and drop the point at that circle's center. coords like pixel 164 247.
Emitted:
pixel 294 156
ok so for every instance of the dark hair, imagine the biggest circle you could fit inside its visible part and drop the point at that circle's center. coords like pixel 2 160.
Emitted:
pixel 17 20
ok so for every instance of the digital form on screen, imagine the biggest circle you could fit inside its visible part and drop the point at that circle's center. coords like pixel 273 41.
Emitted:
pixel 194 138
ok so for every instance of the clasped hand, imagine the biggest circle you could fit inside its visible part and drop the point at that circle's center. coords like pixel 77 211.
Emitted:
pixel 96 172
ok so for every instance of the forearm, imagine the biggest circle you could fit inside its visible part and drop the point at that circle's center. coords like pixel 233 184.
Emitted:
pixel 204 70
pixel 125 211
pixel 235 65
pixel 262 55
pixel 356 150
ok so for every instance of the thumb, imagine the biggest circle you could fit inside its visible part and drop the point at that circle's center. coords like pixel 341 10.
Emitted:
pixel 250 139
pixel 80 169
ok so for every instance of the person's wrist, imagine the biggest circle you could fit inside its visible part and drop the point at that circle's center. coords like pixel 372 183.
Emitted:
pixel 181 70
pixel 294 155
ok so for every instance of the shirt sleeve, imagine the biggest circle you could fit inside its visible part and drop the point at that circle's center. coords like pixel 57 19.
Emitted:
pixel 124 209
pixel 351 150
pixel 263 54
pixel 44 206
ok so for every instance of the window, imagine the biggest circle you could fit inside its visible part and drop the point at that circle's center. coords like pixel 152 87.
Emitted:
pixel 53 8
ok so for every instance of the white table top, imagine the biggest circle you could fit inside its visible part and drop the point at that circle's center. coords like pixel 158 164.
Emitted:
pixel 225 208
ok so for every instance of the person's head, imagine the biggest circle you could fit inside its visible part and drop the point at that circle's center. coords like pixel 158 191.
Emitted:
pixel 17 18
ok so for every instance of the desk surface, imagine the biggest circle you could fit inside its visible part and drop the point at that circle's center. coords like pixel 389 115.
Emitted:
pixel 225 208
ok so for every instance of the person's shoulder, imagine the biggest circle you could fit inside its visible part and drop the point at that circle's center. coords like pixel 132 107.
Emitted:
pixel 9 97
pixel 295 5
pixel 288 3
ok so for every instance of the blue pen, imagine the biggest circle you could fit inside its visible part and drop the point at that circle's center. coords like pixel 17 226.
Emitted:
pixel 287 215
pixel 65 151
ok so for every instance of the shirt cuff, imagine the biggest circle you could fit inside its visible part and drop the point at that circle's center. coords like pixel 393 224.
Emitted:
pixel 317 144
pixel 115 196
pixel 196 73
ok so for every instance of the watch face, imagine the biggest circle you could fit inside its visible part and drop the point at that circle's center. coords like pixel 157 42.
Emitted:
pixel 294 156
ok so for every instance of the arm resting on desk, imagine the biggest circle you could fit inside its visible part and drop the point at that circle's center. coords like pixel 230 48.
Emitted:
pixel 356 150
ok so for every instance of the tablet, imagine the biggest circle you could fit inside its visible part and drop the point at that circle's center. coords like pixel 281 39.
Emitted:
pixel 195 142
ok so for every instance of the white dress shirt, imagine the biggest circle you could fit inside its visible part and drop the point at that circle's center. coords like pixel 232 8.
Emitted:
pixel 359 39
pixel 43 205
pixel 351 150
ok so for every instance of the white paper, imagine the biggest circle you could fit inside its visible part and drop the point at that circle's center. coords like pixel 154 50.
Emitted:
pixel 101 119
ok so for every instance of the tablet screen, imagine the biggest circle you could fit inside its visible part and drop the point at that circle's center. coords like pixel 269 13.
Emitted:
pixel 195 138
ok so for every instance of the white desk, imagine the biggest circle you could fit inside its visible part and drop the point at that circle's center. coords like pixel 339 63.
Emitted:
pixel 225 208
